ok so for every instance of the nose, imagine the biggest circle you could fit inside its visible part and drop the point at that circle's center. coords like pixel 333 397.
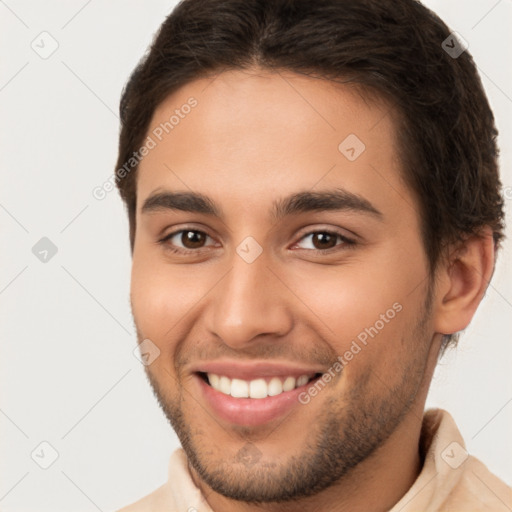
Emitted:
pixel 249 302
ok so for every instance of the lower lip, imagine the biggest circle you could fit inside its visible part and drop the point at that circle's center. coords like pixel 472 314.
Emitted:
pixel 251 411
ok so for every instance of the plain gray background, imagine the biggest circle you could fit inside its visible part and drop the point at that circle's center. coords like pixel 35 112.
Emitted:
pixel 68 373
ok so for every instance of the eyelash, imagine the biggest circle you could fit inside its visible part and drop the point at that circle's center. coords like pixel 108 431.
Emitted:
pixel 347 243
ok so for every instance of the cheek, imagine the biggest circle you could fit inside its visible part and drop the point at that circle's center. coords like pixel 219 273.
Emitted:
pixel 373 304
pixel 160 298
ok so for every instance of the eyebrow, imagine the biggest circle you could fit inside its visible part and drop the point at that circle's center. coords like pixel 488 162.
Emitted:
pixel 185 201
pixel 335 200
pixel 300 202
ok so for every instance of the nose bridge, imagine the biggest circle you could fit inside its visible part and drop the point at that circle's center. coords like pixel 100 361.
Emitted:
pixel 249 302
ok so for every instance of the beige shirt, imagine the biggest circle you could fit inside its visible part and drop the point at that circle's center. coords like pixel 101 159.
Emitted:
pixel 450 480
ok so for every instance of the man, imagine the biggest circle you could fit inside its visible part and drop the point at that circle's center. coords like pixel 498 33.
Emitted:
pixel 315 211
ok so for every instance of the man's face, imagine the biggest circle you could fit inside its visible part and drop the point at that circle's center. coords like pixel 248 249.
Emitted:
pixel 259 292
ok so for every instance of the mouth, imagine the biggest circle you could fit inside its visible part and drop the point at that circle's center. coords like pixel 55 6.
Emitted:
pixel 258 388
pixel 252 395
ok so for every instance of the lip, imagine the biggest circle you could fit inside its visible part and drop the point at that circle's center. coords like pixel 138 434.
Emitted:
pixel 254 370
pixel 250 412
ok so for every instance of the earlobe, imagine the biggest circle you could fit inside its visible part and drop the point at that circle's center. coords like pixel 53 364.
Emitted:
pixel 463 281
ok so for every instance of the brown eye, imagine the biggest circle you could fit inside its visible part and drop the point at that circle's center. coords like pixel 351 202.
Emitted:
pixel 192 239
pixel 187 239
pixel 322 240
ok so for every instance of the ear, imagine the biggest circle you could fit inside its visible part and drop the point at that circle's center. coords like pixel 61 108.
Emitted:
pixel 461 281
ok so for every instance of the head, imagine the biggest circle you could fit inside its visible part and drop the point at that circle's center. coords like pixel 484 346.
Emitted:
pixel 312 188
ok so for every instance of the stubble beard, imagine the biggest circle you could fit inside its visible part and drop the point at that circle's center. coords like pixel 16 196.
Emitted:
pixel 342 437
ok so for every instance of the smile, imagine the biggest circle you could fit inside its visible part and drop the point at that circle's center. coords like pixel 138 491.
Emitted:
pixel 252 394
pixel 257 388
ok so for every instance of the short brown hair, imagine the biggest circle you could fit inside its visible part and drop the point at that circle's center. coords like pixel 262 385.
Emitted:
pixel 447 135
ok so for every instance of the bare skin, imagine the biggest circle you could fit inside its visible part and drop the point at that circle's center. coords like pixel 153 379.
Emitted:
pixel 255 138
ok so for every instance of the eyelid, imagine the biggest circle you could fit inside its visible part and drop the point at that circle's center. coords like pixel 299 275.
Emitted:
pixel 343 233
pixel 345 240
pixel 177 228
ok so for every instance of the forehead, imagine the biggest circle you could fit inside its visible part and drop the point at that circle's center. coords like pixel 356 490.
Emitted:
pixel 254 134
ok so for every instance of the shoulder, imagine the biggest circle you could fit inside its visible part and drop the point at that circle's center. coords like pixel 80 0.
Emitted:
pixel 479 488
pixel 461 481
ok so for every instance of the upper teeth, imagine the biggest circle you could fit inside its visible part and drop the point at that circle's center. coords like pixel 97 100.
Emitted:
pixel 258 388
